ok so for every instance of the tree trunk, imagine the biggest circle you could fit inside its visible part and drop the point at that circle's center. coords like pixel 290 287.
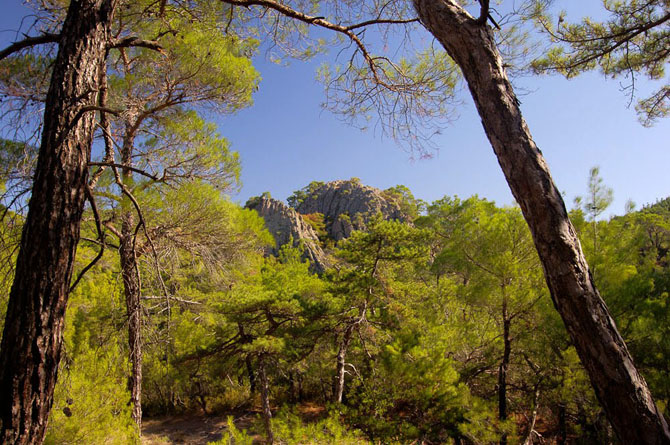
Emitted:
pixel 341 356
pixel 619 387
pixel 131 287
pixel 504 366
pixel 562 425
pixel 265 399
pixel 533 418
pixel 33 332
pixel 250 374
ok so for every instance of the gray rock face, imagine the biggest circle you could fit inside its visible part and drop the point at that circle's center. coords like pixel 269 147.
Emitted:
pixel 348 205
pixel 285 224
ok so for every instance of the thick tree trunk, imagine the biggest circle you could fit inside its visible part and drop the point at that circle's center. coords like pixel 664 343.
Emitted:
pixel 33 332
pixel 504 366
pixel 341 356
pixel 619 387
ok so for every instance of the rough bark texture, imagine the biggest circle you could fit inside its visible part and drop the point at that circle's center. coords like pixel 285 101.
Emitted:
pixel 131 285
pixel 33 332
pixel 341 363
pixel 131 288
pixel 619 387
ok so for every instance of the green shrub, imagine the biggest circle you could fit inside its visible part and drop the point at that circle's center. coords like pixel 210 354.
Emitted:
pixel 290 429
pixel 91 401
pixel 233 436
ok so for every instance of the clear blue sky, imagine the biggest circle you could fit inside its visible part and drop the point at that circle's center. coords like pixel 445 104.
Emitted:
pixel 285 140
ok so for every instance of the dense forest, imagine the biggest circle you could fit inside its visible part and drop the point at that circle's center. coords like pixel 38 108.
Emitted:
pixel 430 323
pixel 134 287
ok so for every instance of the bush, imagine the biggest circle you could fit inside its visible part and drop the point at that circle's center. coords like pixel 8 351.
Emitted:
pixel 91 401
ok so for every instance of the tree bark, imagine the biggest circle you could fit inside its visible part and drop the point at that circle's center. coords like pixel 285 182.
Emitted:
pixel 131 286
pixel 562 425
pixel 265 399
pixel 533 418
pixel 250 374
pixel 341 356
pixel 33 332
pixel 504 366
pixel 621 390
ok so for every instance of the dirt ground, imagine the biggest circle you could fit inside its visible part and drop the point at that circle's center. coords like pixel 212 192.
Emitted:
pixel 189 429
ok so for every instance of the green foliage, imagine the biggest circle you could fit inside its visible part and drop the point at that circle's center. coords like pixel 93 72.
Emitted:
pixel 91 399
pixel 208 65
pixel 425 305
pixel 300 195
pixel 233 436
pixel 599 196
pixel 634 279
pixel 417 395
pixel 290 429
pixel 91 402
pixel 629 41
pixel 316 220
pixel 404 198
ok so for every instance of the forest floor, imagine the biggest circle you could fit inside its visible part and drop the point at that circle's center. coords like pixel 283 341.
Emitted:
pixel 191 429
pixel 201 429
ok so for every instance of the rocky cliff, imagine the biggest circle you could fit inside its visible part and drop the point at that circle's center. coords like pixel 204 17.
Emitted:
pixel 285 224
pixel 345 205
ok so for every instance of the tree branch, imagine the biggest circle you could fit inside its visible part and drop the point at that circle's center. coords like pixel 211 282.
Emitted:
pixel 133 169
pixel 484 12
pixel 134 41
pixel 28 42
pixel 101 237
pixel 323 23
pixel 381 21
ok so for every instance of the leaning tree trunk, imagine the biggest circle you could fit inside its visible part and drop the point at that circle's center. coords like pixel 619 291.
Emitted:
pixel 33 332
pixel 621 390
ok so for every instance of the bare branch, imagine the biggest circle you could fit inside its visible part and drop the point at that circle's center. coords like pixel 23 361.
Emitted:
pixel 134 41
pixel 101 237
pixel 133 169
pixel 28 42
pixel 317 21
pixel 380 21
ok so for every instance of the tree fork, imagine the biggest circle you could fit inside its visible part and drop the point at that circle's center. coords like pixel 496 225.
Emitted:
pixel 621 390
pixel 33 333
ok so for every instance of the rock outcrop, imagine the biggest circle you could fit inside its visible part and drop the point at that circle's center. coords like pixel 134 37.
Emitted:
pixel 346 205
pixel 287 225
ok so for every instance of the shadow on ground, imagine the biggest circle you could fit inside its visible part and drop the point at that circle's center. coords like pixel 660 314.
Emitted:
pixel 191 429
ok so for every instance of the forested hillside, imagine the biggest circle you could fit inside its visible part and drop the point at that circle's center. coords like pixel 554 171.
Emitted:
pixel 433 327
pixel 136 291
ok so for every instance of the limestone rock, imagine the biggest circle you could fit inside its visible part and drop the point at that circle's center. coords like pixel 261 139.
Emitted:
pixel 285 224
pixel 347 206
